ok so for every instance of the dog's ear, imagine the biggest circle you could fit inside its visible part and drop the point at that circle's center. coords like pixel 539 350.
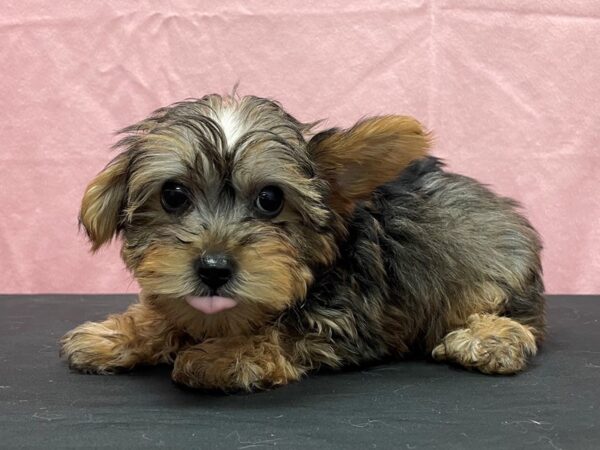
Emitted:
pixel 358 160
pixel 103 202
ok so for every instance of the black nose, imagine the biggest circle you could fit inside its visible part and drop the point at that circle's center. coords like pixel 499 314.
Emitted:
pixel 214 270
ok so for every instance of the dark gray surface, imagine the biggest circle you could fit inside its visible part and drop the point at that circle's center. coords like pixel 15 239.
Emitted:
pixel 413 404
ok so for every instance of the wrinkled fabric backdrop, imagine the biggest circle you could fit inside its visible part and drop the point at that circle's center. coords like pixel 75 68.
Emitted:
pixel 510 88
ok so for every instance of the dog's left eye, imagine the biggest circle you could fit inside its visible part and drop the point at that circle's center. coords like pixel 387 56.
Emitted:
pixel 174 197
pixel 270 201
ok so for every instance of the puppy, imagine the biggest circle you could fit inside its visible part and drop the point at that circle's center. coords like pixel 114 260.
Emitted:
pixel 263 255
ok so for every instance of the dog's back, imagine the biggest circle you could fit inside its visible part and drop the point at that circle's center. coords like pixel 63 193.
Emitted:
pixel 452 234
pixel 429 251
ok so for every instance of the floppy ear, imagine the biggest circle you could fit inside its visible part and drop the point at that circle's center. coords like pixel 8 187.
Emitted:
pixel 103 202
pixel 358 160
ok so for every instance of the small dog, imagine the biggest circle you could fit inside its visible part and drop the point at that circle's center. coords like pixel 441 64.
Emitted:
pixel 263 253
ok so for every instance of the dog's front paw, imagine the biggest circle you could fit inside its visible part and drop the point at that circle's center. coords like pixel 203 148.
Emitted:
pixel 235 364
pixel 95 348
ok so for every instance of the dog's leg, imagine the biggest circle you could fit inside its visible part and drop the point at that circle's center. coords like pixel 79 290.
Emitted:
pixel 238 363
pixel 122 341
pixel 490 344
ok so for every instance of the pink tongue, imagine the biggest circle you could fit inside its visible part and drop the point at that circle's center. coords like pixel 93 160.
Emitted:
pixel 210 305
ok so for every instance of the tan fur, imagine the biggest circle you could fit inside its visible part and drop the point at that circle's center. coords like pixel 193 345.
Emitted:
pixel 122 341
pixel 274 272
pixel 486 298
pixel 102 202
pixel 369 154
pixel 271 277
pixel 490 344
pixel 242 362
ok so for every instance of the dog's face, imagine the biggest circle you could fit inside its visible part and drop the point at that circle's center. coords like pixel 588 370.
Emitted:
pixel 226 209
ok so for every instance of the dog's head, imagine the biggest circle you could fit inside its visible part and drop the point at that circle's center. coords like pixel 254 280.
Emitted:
pixel 225 207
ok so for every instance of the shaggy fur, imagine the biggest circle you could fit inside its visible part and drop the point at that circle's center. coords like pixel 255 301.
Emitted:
pixel 376 253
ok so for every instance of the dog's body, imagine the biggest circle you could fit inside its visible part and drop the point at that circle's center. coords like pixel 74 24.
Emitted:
pixel 262 256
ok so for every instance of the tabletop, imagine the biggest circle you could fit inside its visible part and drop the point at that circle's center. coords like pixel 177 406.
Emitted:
pixel 410 404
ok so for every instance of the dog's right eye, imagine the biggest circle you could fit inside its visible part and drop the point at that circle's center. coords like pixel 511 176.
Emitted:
pixel 174 197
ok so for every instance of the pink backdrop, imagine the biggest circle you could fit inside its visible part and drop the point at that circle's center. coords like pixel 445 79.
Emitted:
pixel 511 90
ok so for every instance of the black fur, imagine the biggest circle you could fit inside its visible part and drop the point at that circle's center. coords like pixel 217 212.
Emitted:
pixel 416 246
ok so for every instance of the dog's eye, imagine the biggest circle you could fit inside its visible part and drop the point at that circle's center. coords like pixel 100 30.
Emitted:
pixel 174 197
pixel 270 201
